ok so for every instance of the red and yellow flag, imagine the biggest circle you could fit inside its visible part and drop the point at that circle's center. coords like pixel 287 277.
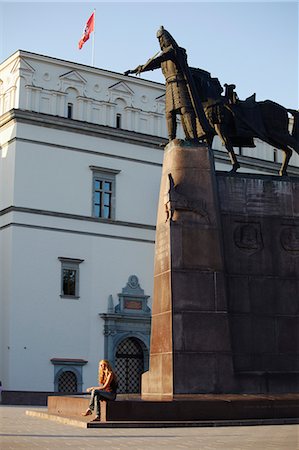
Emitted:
pixel 89 28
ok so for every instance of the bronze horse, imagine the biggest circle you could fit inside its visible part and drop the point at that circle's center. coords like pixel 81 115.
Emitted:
pixel 238 122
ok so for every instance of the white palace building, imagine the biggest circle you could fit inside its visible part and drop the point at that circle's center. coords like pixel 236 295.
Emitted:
pixel 80 167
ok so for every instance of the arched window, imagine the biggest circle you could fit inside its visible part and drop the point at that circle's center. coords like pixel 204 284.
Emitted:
pixel 71 103
pixel 120 117
pixel 70 110
pixel 67 382
pixel 129 365
pixel 118 120
pixel 68 374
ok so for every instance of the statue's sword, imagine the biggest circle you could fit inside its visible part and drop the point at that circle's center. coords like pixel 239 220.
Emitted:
pixel 150 60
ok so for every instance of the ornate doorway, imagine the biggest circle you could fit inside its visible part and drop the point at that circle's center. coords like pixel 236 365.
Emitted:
pixel 127 331
pixel 129 365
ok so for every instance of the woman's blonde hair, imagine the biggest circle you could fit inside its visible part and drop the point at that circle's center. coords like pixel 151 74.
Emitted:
pixel 103 373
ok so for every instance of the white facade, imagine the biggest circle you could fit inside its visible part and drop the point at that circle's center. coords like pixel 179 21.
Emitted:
pixel 62 123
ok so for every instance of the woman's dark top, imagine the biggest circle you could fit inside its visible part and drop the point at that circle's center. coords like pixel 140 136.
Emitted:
pixel 112 386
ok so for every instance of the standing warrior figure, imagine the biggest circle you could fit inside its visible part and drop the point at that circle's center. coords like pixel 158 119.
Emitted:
pixel 179 99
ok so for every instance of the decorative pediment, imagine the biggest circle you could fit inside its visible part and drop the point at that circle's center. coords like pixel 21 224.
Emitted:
pixel 161 98
pixel 129 320
pixel 160 104
pixel 121 88
pixel 132 299
pixel 73 77
pixel 22 66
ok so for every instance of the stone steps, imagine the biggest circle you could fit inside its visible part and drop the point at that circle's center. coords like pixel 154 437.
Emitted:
pixel 198 408
pixel 86 423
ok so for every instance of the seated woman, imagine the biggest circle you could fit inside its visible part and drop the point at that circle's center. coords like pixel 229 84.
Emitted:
pixel 106 390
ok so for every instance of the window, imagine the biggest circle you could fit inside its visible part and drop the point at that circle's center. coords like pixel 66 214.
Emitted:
pixel 68 374
pixel 70 277
pixel 118 120
pixel 103 189
pixel 102 198
pixel 70 110
pixel 67 382
pixel 71 102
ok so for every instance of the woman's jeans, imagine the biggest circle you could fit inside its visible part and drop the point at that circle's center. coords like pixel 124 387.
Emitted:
pixel 96 396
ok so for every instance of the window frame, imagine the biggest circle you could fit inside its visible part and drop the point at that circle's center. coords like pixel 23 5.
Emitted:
pixel 70 110
pixel 118 120
pixel 103 175
pixel 68 364
pixel 70 264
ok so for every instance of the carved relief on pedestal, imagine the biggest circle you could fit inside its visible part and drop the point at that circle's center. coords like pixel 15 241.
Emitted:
pixel 248 237
pixel 176 201
pixel 289 239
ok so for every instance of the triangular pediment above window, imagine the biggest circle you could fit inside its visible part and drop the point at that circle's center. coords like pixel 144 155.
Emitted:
pixel 161 98
pixel 22 66
pixel 73 76
pixel 121 87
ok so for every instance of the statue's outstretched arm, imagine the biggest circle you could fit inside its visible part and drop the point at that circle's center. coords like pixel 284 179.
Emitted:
pixel 152 64
pixel 137 70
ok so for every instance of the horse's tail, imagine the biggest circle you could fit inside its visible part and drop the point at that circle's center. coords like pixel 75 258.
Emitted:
pixel 295 130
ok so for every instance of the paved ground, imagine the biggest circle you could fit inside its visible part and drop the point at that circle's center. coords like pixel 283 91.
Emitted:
pixel 19 431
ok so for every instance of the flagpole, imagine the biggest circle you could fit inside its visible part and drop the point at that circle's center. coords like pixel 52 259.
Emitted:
pixel 93 38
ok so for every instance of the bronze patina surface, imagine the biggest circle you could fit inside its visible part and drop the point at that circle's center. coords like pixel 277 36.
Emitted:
pixel 205 112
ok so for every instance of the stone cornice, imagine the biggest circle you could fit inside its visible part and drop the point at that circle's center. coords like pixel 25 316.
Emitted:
pixel 250 162
pixel 76 232
pixel 62 215
pixel 102 131
pixel 78 66
pixel 77 126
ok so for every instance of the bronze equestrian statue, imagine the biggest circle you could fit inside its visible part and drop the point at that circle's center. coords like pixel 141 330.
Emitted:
pixel 180 98
pixel 205 112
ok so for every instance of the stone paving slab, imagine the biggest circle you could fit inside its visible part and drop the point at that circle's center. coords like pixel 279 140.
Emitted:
pixel 21 431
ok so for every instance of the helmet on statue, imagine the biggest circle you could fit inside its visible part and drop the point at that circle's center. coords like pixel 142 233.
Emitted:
pixel 165 38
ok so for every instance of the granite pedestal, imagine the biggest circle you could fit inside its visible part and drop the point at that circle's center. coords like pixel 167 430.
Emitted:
pixel 190 339
pixel 184 411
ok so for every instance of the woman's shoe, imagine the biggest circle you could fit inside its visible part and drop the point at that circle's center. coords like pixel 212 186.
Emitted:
pixel 96 419
pixel 88 412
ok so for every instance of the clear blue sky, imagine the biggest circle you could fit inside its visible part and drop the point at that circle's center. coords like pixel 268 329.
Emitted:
pixel 252 44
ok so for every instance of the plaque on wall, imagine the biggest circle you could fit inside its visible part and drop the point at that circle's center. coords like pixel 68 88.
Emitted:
pixel 132 304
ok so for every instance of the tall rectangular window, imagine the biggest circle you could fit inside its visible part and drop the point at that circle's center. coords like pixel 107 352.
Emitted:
pixel 103 189
pixel 102 198
pixel 69 281
pixel 118 120
pixel 69 110
pixel 70 277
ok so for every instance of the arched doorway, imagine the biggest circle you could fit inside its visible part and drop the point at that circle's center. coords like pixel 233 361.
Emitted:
pixel 129 365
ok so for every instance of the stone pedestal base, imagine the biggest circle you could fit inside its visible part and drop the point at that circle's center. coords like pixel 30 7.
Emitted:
pixel 176 413
pixel 190 342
